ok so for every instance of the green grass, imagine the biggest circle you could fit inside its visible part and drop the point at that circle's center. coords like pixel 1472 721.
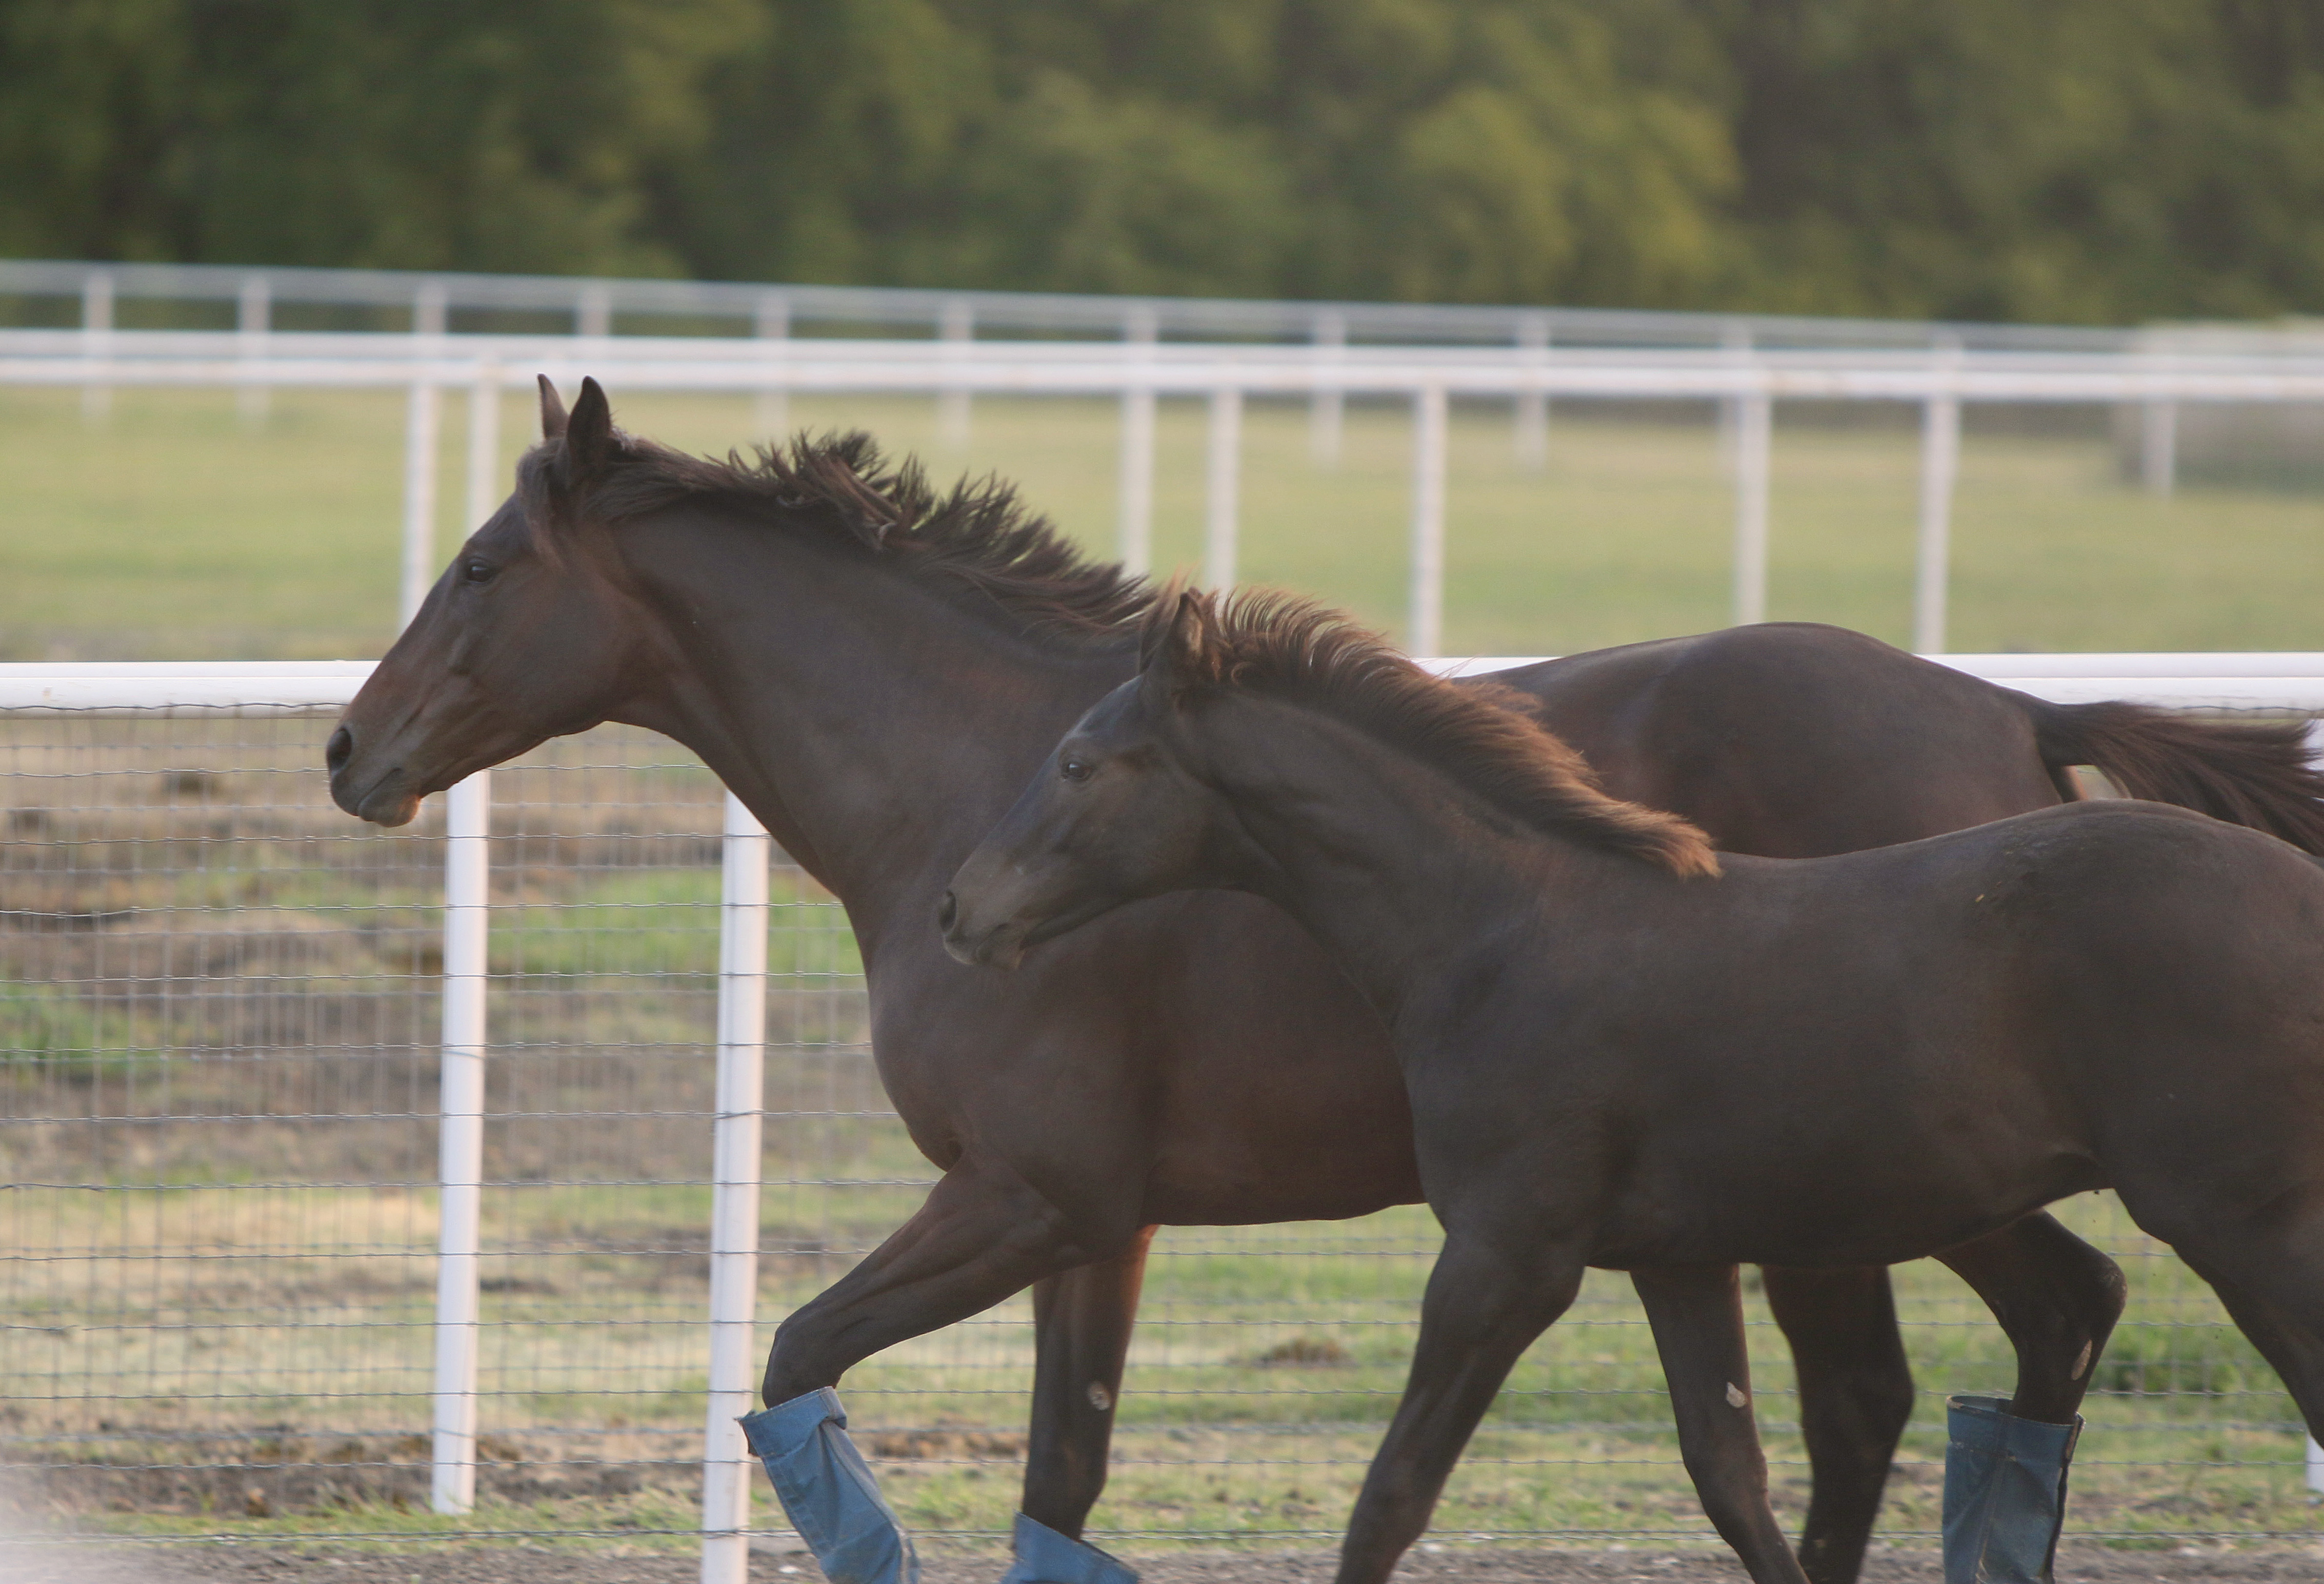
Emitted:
pixel 174 529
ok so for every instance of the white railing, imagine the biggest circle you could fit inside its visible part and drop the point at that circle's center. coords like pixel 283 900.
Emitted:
pixel 2276 681
pixel 592 304
pixel 1745 382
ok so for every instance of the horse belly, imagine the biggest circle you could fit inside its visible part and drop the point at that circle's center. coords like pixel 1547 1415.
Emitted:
pixel 1870 1200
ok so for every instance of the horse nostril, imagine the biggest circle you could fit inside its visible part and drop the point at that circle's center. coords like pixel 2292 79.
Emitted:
pixel 947 911
pixel 338 750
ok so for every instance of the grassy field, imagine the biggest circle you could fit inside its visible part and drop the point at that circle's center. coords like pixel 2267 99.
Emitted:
pixel 174 529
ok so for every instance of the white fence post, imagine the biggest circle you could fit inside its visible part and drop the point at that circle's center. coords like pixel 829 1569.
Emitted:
pixel 1224 482
pixel 593 314
pixel 1737 339
pixel 727 1466
pixel 421 422
pixel 1327 409
pixel 253 314
pixel 1428 425
pixel 1134 523
pixel 1530 442
pixel 1754 438
pixel 957 328
pixel 484 446
pixel 2158 451
pixel 96 342
pixel 772 414
pixel 1939 467
pixel 460 1169
pixel 430 308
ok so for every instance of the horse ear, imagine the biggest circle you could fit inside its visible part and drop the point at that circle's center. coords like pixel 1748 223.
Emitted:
pixel 1167 649
pixel 588 434
pixel 552 411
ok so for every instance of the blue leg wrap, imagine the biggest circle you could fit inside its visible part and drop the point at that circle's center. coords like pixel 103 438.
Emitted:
pixel 2004 1492
pixel 1044 1556
pixel 832 1499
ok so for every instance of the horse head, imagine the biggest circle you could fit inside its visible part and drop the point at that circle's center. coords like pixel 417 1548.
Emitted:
pixel 529 633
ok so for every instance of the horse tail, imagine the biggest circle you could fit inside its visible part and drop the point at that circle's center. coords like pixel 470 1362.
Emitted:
pixel 2247 773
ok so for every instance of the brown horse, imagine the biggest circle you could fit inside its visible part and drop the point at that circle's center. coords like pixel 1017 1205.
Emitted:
pixel 1624 1051
pixel 875 670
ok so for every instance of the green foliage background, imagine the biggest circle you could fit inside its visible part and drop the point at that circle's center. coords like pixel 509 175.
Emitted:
pixel 2071 160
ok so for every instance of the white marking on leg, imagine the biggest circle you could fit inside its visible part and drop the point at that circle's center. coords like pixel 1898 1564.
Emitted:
pixel 1100 1398
pixel 2081 1361
pixel 1736 1396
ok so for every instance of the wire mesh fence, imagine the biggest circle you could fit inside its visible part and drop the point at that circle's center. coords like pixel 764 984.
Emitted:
pixel 218 1064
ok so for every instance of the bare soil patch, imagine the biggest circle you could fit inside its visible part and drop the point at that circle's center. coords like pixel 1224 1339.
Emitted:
pixel 479 1564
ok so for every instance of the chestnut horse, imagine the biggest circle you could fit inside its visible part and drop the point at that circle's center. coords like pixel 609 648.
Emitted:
pixel 1624 1050
pixel 874 670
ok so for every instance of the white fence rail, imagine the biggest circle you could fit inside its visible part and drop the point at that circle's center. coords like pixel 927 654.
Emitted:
pixel 1745 382
pixel 2276 681
pixel 592 304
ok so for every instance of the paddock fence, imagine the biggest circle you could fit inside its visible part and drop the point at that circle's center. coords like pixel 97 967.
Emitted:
pixel 447 1181
pixel 1743 385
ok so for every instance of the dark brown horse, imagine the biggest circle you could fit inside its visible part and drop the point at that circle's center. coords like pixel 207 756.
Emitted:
pixel 1623 1051
pixel 874 671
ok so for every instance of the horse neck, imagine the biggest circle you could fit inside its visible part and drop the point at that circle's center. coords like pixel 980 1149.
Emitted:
pixel 1394 867
pixel 876 729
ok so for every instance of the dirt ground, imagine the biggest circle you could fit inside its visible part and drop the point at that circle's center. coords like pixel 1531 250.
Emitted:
pixel 237 1564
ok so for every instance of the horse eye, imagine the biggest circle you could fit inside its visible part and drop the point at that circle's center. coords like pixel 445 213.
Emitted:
pixel 477 571
pixel 1074 770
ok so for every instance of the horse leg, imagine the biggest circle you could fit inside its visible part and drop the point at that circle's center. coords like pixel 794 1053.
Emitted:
pixel 1697 1314
pixel 982 1235
pixel 1082 1321
pixel 2005 1463
pixel 1856 1396
pixel 2056 1297
pixel 2268 1269
pixel 1483 1308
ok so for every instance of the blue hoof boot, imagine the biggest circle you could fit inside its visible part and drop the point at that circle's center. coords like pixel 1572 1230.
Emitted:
pixel 2004 1492
pixel 1044 1556
pixel 832 1499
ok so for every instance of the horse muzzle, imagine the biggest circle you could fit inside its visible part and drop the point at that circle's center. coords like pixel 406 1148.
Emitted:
pixel 387 799
pixel 994 946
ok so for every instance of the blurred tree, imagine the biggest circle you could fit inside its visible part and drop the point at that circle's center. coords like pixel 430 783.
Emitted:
pixel 2080 160
pixel 496 134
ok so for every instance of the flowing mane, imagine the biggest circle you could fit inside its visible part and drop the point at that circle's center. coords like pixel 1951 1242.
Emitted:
pixel 979 537
pixel 1482 735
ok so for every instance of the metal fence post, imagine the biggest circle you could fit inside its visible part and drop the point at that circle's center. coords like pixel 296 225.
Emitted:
pixel 957 328
pixel 1531 440
pixel 467 884
pixel 727 1466
pixel 1327 409
pixel 253 314
pixel 1429 426
pixel 1134 523
pixel 484 444
pixel 1224 482
pixel 771 412
pixel 1754 438
pixel 96 342
pixel 1940 465
pixel 421 422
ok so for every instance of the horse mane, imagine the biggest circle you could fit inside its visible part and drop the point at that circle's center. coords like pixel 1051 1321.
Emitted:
pixel 1483 736
pixel 978 537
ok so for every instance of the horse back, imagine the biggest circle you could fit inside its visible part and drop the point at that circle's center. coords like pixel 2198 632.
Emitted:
pixel 1794 739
